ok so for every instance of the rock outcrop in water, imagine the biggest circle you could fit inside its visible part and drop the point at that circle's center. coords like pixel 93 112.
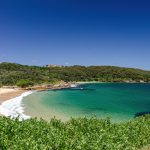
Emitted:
pixel 141 114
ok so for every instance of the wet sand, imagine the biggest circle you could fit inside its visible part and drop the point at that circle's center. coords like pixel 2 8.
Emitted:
pixel 8 93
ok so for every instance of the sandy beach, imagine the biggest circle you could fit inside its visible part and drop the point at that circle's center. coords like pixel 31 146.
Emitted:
pixel 9 93
pixel 11 102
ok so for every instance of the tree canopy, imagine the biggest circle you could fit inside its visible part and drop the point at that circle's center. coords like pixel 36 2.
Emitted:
pixel 12 73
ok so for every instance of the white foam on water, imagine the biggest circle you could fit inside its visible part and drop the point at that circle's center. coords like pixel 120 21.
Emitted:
pixel 14 108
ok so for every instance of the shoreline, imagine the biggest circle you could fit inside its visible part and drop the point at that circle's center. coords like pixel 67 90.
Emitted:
pixel 13 107
pixel 65 85
pixel 9 93
pixel 11 97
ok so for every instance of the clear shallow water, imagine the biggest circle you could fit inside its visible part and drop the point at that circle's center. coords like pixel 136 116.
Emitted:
pixel 120 101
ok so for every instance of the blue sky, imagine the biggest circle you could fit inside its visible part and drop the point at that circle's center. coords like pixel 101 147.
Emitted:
pixel 69 32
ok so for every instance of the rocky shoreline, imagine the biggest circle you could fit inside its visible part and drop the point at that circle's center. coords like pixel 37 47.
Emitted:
pixel 61 85
pixel 52 86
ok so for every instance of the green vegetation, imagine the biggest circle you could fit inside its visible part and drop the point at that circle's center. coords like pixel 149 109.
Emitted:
pixel 76 134
pixel 24 83
pixel 11 74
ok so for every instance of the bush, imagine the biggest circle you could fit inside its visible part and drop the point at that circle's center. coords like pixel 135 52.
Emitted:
pixel 76 134
pixel 24 83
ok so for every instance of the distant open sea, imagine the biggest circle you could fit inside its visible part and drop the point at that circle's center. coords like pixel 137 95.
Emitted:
pixel 119 101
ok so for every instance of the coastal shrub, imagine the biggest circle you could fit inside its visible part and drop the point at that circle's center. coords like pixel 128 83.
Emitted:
pixel 75 134
pixel 24 83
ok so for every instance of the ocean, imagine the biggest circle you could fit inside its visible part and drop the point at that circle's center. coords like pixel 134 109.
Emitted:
pixel 118 101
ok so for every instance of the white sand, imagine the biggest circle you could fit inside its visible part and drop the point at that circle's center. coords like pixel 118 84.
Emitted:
pixel 7 90
pixel 13 107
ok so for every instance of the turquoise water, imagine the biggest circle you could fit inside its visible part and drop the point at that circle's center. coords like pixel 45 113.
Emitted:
pixel 120 101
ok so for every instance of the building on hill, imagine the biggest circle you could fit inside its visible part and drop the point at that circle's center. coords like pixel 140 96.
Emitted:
pixel 53 65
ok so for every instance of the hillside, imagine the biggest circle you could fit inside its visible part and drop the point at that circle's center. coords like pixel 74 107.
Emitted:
pixel 11 73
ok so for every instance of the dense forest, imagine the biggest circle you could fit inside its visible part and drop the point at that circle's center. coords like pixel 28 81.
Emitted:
pixel 13 74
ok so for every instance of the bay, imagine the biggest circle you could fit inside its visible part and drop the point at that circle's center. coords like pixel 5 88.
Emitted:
pixel 119 101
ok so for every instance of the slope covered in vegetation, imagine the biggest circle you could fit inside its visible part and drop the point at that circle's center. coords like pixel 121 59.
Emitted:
pixel 11 74
pixel 76 134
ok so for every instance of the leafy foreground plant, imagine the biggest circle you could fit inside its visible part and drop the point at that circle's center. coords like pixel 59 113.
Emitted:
pixel 76 134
